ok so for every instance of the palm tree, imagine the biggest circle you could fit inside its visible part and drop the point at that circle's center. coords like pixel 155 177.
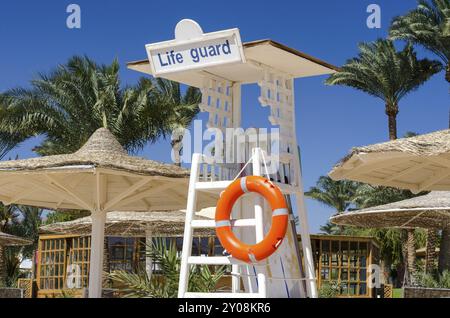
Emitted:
pixel 7 216
pixel 76 99
pixel 331 229
pixel 26 225
pixel 383 72
pixel 8 140
pixel 396 245
pixel 429 26
pixel 335 194
pixel 179 111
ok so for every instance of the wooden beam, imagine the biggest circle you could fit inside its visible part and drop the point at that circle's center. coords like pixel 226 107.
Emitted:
pixel 52 190
pixel 139 196
pixel 127 192
pixel 76 181
pixel 71 192
pixel 441 161
pixel 368 168
pixel 125 179
pixel 407 171
pixel 21 195
pixel 394 184
pixel 435 178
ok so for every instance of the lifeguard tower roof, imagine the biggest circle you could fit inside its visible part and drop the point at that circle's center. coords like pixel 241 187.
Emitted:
pixel 259 55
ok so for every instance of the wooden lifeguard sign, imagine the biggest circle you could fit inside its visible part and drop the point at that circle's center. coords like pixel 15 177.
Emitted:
pixel 219 64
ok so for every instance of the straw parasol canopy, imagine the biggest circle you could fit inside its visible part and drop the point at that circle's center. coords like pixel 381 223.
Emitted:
pixel 8 240
pixel 74 181
pixel 420 163
pixel 99 177
pixel 129 224
pixel 431 211
pixel 11 240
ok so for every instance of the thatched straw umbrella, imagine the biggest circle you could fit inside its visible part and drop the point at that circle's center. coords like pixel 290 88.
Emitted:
pixel 128 224
pixel 431 211
pixel 100 177
pixel 420 163
pixel 9 240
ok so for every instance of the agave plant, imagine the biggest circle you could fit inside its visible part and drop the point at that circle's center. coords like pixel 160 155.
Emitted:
pixel 165 283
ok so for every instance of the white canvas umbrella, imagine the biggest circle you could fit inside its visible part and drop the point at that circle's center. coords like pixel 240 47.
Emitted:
pixel 100 177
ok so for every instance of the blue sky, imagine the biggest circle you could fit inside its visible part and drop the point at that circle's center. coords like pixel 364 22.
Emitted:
pixel 34 38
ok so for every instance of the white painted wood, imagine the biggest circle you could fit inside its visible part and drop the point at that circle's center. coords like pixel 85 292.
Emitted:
pixel 237 210
pixel 96 261
pixel 182 61
pixel 213 260
pixel 259 219
pixel 127 192
pixel 70 192
pixel 188 29
pixel 311 286
pixel 148 249
pixel 197 224
pixel 187 238
pixel 218 186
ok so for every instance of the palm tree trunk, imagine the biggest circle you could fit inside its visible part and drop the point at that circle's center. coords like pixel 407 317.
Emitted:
pixel 177 145
pixel 430 256
pixel 444 253
pixel 447 73
pixel 411 255
pixel 3 273
pixel 409 248
pixel 392 112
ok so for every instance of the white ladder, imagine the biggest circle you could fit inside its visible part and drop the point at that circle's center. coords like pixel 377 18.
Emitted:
pixel 187 259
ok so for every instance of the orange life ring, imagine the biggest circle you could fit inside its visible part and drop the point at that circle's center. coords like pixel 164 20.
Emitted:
pixel 280 218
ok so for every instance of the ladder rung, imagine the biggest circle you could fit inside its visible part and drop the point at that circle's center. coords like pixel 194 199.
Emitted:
pixel 218 186
pixel 213 260
pixel 196 224
pixel 212 185
pixel 222 295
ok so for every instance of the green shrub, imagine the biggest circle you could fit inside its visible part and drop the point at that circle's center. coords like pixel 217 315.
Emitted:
pixel 329 290
pixel 164 284
pixel 428 280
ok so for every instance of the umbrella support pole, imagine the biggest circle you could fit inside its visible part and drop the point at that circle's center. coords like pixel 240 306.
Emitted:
pixel 97 246
pixel 148 251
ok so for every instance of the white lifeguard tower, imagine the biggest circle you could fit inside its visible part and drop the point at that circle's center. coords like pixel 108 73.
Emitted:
pixel 219 64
